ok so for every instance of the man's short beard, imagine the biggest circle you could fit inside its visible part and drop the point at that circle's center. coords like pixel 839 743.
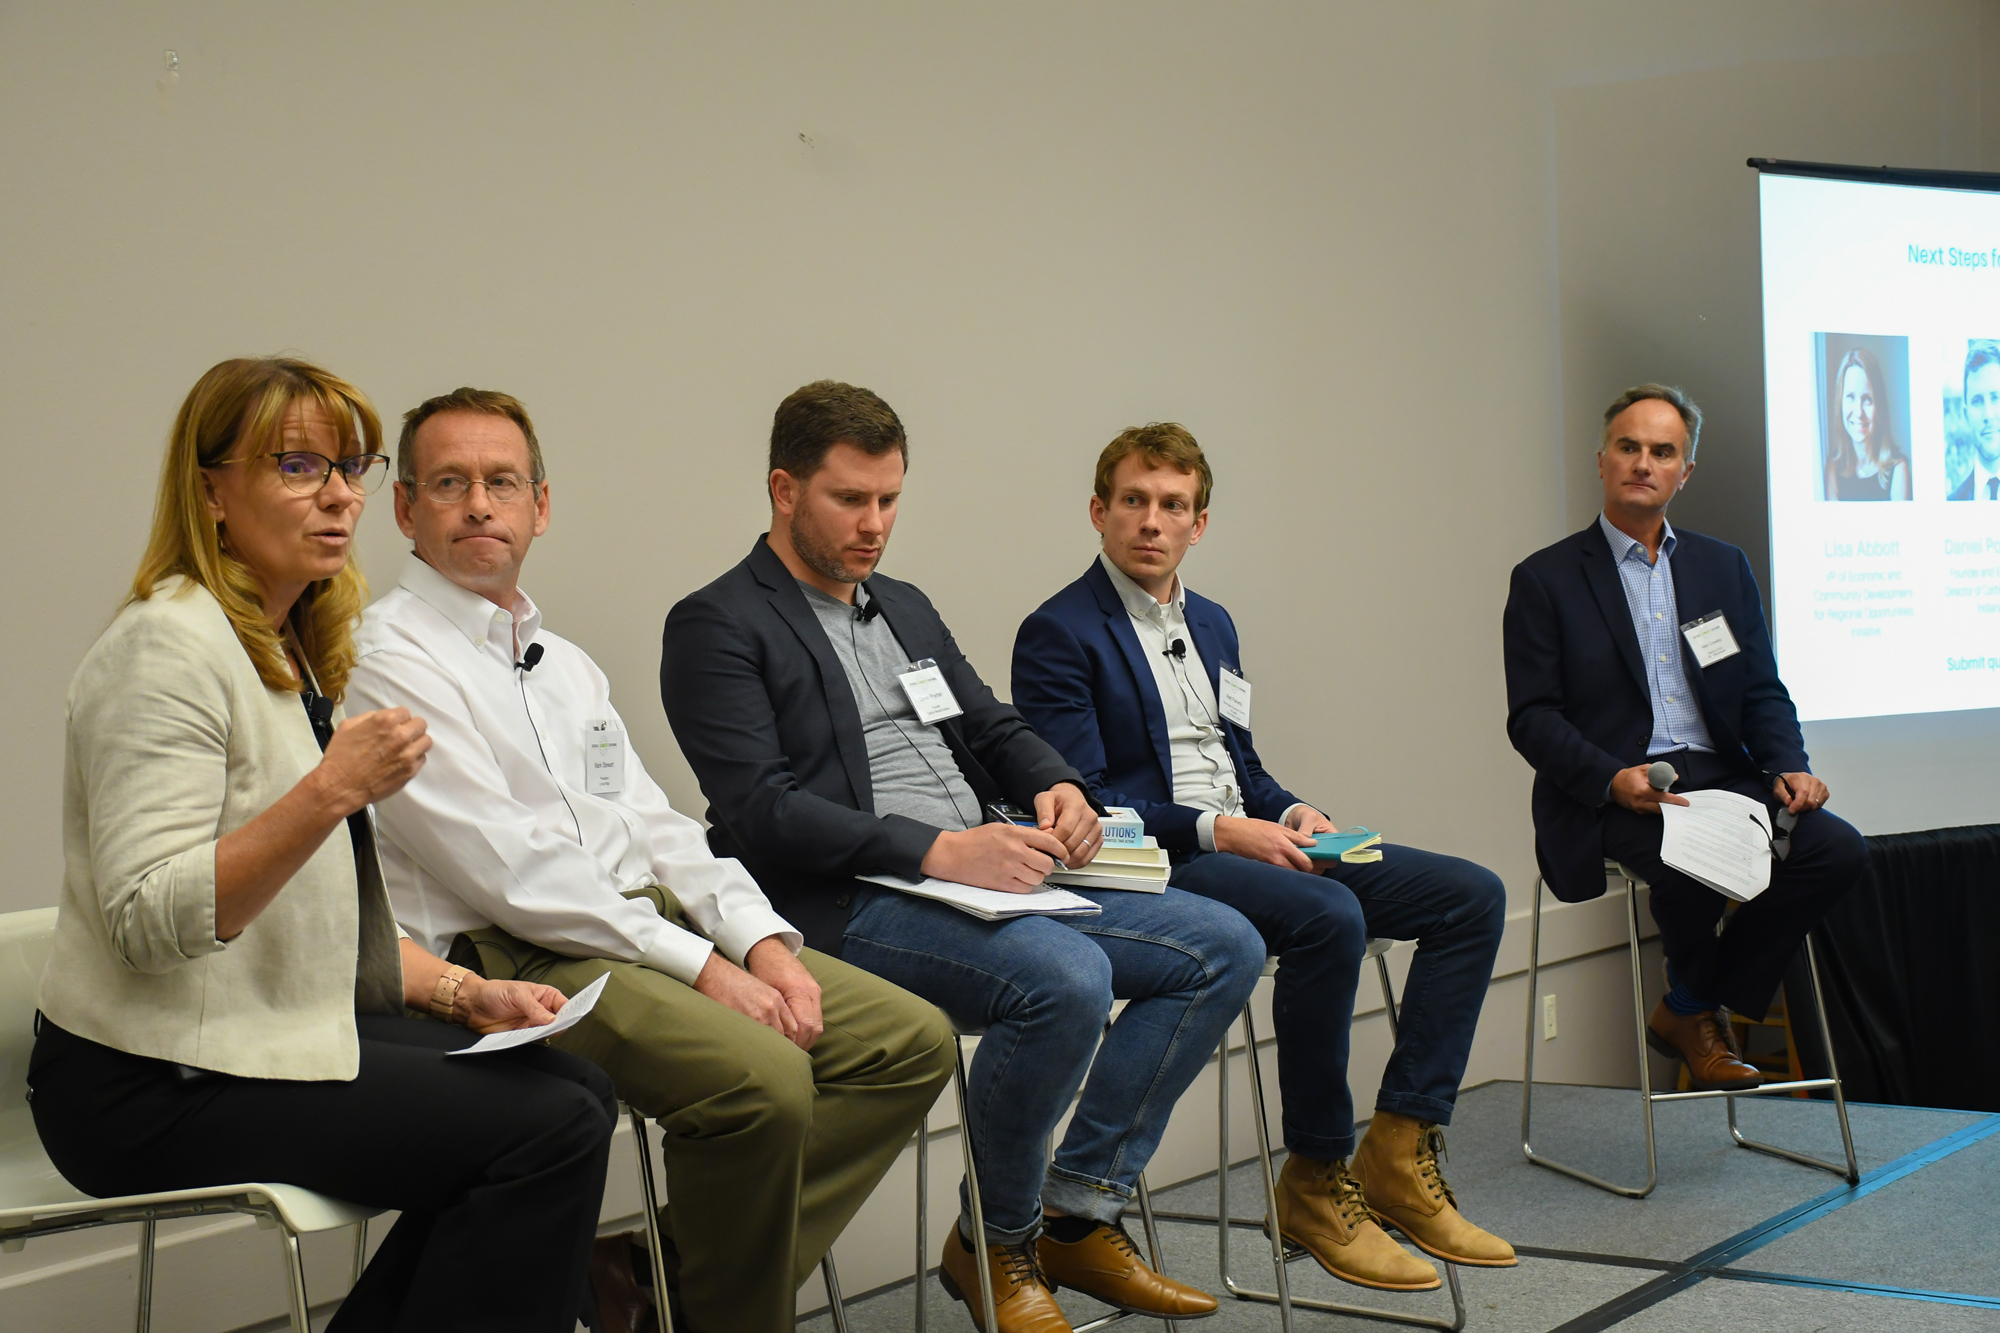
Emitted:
pixel 822 559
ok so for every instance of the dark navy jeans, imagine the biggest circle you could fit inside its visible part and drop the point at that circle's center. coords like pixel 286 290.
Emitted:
pixel 1040 988
pixel 1317 926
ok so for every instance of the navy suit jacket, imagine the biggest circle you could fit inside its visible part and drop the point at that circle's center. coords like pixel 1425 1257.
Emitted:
pixel 1578 705
pixel 1084 684
pixel 761 707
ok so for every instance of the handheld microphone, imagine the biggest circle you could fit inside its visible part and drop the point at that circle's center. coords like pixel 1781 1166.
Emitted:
pixel 1178 651
pixel 529 658
pixel 1661 775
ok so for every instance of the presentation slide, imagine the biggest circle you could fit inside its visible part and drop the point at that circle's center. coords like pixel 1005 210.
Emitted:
pixel 1882 382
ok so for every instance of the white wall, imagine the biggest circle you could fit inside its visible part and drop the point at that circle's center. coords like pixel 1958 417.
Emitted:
pixel 1385 261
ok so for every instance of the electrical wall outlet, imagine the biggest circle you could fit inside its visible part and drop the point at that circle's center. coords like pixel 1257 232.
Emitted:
pixel 1548 1018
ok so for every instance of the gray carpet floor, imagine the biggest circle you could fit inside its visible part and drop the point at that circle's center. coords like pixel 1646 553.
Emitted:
pixel 1933 1229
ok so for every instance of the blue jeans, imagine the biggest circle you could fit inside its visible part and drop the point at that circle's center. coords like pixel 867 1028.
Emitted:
pixel 1040 988
pixel 1318 926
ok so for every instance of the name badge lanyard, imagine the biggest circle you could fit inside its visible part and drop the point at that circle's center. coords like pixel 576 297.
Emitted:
pixel 1209 722
pixel 528 711
pixel 854 643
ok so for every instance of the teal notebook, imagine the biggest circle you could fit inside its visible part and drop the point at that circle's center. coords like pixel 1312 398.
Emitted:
pixel 1356 846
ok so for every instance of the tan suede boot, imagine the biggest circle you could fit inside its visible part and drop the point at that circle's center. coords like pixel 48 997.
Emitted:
pixel 1321 1208
pixel 1397 1169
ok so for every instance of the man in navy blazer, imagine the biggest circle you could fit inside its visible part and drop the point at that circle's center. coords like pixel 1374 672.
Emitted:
pixel 1140 685
pixel 1602 681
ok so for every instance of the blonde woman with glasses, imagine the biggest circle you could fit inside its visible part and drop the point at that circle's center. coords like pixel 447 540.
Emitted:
pixel 228 995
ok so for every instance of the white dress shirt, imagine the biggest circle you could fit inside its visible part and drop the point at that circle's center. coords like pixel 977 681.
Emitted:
pixel 497 828
pixel 1204 770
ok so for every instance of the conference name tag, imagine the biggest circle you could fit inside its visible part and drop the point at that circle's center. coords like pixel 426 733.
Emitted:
pixel 1235 698
pixel 1710 638
pixel 929 694
pixel 603 758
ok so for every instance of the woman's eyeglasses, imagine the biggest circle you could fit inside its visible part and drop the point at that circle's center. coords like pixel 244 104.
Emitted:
pixel 308 473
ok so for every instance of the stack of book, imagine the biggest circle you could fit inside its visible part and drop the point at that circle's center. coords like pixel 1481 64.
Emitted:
pixel 1357 846
pixel 1141 869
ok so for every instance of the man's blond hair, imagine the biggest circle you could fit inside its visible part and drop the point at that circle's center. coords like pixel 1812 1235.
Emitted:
pixel 1163 444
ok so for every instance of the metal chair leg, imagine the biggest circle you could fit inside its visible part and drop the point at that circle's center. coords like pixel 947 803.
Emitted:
pixel 295 1272
pixel 649 1199
pixel 1639 1034
pixel 919 1323
pixel 360 1254
pixel 979 1255
pixel 1154 1253
pixel 148 1230
pixel 1852 1171
pixel 831 1276
pixel 1389 1008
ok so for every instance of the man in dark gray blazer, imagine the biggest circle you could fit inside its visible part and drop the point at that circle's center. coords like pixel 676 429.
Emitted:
pixel 837 732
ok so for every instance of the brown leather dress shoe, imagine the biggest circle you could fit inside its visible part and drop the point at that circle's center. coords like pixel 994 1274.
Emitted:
pixel 1022 1301
pixel 1397 1169
pixel 1106 1265
pixel 623 1306
pixel 1703 1041
pixel 1322 1209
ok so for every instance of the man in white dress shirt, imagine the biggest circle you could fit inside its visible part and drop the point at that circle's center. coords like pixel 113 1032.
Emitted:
pixel 535 845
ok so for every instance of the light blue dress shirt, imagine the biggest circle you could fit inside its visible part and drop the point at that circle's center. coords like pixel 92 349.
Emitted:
pixel 1649 595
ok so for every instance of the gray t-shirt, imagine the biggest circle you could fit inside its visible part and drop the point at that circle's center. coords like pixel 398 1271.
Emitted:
pixel 909 764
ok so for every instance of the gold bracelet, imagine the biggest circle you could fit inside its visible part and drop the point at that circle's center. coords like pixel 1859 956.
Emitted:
pixel 444 995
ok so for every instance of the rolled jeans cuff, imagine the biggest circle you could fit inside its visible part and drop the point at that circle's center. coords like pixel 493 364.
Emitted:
pixel 1080 1196
pixel 999 1235
pixel 1318 1147
pixel 1414 1106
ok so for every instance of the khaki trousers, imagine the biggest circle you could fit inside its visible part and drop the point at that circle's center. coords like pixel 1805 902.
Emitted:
pixel 769 1149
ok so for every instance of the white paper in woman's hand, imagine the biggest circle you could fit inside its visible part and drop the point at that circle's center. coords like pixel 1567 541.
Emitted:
pixel 572 1013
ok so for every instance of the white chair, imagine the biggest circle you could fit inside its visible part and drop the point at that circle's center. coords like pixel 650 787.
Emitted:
pixel 921 1323
pixel 1647 1097
pixel 1281 1253
pixel 36 1201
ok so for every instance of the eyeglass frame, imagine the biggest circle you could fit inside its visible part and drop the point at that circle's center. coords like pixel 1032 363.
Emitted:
pixel 332 465
pixel 1780 838
pixel 530 481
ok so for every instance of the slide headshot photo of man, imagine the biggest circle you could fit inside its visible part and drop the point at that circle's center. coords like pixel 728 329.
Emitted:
pixel 1972 424
pixel 1864 416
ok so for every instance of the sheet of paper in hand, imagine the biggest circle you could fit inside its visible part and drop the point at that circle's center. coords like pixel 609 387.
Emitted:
pixel 1722 839
pixel 568 1017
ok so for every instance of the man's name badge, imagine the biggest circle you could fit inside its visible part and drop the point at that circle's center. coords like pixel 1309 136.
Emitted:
pixel 1710 638
pixel 603 758
pixel 929 694
pixel 1235 698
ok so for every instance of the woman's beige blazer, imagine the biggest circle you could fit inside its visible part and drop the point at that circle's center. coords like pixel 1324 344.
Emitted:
pixel 173 741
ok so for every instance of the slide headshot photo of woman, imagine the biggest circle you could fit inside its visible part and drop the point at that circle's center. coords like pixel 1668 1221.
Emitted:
pixel 1972 425
pixel 1864 416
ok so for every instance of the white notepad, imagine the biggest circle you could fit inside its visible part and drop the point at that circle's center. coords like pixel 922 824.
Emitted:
pixel 991 904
